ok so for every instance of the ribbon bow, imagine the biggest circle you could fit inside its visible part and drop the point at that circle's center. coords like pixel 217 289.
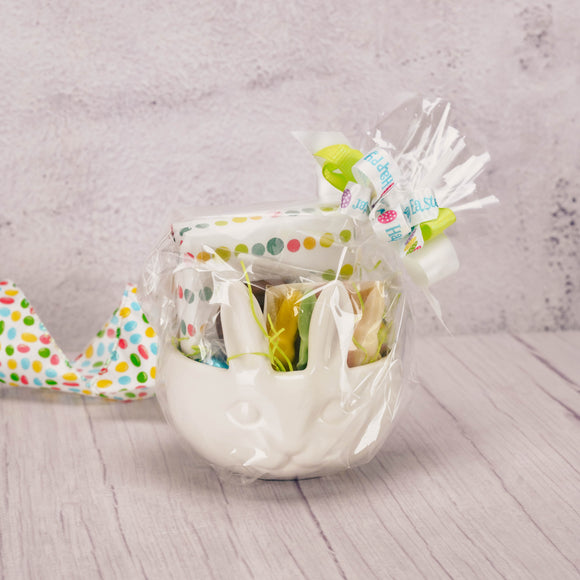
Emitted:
pixel 412 197
pixel 373 188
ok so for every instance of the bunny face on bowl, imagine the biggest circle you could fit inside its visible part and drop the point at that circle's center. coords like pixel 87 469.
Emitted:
pixel 253 420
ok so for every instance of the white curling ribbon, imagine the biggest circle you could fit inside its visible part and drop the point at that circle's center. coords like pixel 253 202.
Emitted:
pixel 476 204
pixel 356 201
pixel 433 263
pixel 378 170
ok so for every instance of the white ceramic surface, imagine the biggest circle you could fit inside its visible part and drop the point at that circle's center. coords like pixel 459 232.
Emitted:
pixel 252 420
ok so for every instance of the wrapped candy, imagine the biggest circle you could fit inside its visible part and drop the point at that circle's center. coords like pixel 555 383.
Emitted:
pixel 285 332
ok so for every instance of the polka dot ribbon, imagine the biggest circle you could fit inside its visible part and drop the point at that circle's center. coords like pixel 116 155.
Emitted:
pixel 118 364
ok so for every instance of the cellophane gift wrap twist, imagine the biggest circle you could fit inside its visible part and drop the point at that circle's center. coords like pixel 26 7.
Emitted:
pixel 286 344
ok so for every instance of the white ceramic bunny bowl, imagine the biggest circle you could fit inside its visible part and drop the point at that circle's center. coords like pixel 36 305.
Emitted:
pixel 253 420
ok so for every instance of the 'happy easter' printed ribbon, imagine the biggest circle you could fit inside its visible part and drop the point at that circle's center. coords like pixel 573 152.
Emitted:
pixel 120 362
pixel 411 196
pixel 371 190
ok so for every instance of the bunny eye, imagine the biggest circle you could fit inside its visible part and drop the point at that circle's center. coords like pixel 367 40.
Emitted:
pixel 244 414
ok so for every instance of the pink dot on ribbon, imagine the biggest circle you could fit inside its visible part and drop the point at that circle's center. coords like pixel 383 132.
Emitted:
pixel 6 300
pixel 44 338
pixel 111 332
pixel 387 216
pixel 143 352
pixel 293 245
pixel 122 343
pixel 54 360
pixel 23 348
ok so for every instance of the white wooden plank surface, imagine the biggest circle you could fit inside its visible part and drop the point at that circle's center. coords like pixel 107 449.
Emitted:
pixel 479 480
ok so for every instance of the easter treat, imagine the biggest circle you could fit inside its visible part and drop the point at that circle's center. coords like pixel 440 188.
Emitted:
pixel 288 310
pixel 283 328
pixel 304 317
pixel 371 329
pixel 284 331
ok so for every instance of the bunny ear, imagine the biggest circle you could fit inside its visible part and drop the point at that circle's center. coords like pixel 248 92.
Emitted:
pixel 244 328
pixel 331 327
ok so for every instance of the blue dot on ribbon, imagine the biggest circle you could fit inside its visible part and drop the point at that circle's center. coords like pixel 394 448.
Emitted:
pixel 131 325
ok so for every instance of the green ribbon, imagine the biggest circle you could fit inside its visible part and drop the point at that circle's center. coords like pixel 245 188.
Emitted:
pixel 338 163
pixel 432 228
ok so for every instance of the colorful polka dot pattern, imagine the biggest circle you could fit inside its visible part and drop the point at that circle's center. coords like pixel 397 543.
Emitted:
pixel 272 247
pixel 120 362
pixel 268 247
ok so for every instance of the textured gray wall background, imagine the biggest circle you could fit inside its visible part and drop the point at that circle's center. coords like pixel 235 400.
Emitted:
pixel 114 113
